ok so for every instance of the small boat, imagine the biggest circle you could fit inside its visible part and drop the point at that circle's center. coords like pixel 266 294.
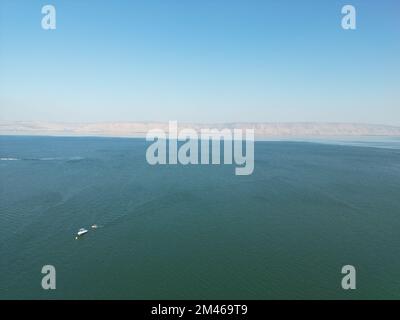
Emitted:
pixel 82 231
pixel 95 226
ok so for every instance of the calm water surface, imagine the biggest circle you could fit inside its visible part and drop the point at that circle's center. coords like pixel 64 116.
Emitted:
pixel 195 232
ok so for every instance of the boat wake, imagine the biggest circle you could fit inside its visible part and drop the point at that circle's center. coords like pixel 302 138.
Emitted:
pixel 43 159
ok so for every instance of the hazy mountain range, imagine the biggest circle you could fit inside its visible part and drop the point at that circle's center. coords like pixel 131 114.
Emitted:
pixel 135 129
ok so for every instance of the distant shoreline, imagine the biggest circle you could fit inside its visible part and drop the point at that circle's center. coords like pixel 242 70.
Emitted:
pixel 263 130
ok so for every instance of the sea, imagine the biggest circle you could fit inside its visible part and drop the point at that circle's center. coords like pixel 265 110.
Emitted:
pixel 199 231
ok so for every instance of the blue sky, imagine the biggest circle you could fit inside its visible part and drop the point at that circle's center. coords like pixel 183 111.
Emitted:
pixel 208 60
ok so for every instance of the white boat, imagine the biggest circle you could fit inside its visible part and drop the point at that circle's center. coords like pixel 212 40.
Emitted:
pixel 95 226
pixel 82 231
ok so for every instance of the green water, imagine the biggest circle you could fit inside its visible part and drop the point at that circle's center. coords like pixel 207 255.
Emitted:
pixel 197 232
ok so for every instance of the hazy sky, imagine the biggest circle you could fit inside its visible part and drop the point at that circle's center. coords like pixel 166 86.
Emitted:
pixel 204 60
